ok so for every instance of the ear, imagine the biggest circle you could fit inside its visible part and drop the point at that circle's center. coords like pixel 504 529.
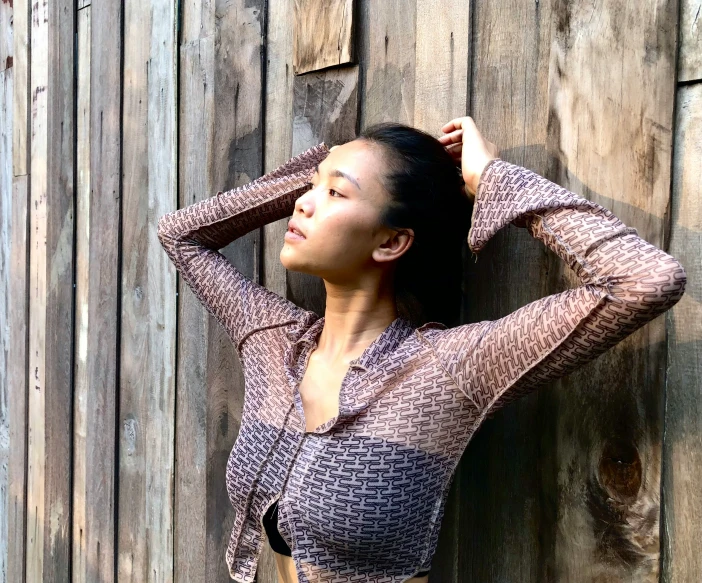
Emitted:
pixel 395 245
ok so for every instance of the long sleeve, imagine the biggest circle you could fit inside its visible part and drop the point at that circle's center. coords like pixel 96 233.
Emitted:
pixel 624 282
pixel 192 237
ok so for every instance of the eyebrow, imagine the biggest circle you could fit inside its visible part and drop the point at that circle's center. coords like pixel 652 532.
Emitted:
pixel 339 174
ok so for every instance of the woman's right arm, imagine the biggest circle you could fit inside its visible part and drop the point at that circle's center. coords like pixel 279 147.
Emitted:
pixel 192 237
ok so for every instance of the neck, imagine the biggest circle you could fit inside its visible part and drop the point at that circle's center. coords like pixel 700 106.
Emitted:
pixel 353 318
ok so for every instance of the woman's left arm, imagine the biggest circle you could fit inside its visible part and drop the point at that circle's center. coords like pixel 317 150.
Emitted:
pixel 625 282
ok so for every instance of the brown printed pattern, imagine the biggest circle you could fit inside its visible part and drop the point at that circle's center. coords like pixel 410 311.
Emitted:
pixel 411 402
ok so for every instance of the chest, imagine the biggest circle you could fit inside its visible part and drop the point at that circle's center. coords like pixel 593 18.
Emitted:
pixel 319 391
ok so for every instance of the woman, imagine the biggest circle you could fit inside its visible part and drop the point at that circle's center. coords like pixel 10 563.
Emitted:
pixel 353 423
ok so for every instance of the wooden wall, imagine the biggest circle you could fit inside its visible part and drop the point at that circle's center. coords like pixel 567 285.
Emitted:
pixel 120 397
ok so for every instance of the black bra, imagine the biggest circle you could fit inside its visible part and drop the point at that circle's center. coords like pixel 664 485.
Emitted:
pixel 277 542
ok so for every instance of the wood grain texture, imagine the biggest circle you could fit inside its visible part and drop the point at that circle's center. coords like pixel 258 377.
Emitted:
pixel 86 532
pixel 98 194
pixel 277 141
pixel 387 35
pixel 38 218
pixel 148 285
pixel 194 558
pixel 20 62
pixel 6 217
pixel 238 152
pixel 14 401
pixel 441 82
pixel 59 250
pixel 443 57
pixel 502 488
pixel 325 109
pixel 611 91
pixel 690 60
pixel 17 383
pixel 323 34
pixel 220 134
pixel 682 447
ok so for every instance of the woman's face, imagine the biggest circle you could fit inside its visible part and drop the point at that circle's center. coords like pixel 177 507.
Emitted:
pixel 340 218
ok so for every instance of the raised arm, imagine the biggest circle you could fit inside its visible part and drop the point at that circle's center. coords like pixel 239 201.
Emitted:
pixel 624 283
pixel 192 237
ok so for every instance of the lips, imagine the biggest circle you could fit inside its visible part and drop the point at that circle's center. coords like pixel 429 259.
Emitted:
pixel 293 228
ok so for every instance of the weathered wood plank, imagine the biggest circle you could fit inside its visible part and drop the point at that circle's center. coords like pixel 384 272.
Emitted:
pixel 611 92
pixel 97 289
pixel 8 291
pixel 221 147
pixel 36 470
pixel 442 57
pixel 6 180
pixel 277 142
pixel 278 139
pixel 386 44
pixel 441 82
pixel 237 157
pixel 690 61
pixel 20 63
pixel 325 109
pixel 323 34
pixel 58 395
pixel 17 382
pixel 194 559
pixel 682 447
pixel 509 101
pixel 15 402
pixel 148 285
pixel 93 549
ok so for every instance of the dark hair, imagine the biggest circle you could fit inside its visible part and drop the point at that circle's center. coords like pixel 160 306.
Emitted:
pixel 426 189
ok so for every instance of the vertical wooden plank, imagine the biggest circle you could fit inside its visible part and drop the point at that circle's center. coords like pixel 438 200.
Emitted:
pixel 387 36
pixel 97 289
pixel 87 563
pixel 611 91
pixel 59 249
pixel 20 61
pixel 222 74
pixel 148 308
pixel 237 159
pixel 194 556
pixel 682 447
pixel 17 301
pixel 278 141
pixel 442 80
pixel 442 61
pixel 277 144
pixel 16 402
pixel 500 489
pixel 6 288
pixel 36 470
pixel 690 59
pixel 325 108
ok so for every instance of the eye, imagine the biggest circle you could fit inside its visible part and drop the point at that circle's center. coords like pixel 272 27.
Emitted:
pixel 332 190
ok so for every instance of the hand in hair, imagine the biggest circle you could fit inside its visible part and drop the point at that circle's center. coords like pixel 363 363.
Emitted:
pixel 469 149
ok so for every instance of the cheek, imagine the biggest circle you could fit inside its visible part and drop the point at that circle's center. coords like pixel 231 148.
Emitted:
pixel 347 235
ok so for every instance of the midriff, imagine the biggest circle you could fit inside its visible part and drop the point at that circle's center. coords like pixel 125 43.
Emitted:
pixel 287 574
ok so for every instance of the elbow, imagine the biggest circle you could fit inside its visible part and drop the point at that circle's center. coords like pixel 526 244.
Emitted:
pixel 656 290
pixel 162 231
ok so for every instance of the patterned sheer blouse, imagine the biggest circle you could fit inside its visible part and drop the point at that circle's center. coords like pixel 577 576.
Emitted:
pixel 412 401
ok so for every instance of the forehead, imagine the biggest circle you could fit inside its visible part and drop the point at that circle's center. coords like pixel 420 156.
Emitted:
pixel 358 159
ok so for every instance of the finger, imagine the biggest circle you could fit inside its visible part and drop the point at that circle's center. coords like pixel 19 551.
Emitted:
pixel 455 136
pixel 455 123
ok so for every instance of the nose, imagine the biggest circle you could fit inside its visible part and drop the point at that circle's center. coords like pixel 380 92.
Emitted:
pixel 305 203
